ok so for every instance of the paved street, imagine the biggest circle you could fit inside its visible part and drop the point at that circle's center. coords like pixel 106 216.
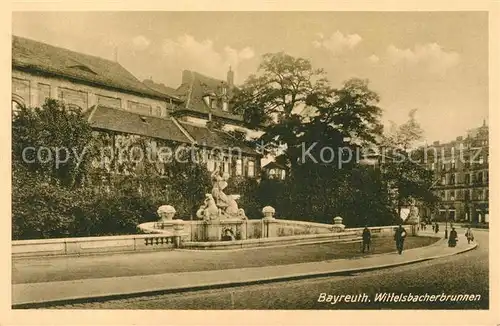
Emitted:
pixel 465 273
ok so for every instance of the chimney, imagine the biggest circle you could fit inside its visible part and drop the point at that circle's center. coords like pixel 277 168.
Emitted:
pixel 230 78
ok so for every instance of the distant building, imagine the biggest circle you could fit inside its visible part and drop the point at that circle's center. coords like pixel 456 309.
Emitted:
pixel 461 177
pixel 273 170
pixel 124 109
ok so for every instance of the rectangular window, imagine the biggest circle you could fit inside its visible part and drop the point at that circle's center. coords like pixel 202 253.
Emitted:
pixel 73 97
pixel 452 194
pixel 139 108
pixel 158 112
pixel 239 167
pixel 43 93
pixel 210 164
pixel 21 88
pixel 227 167
pixel 467 178
pixel 251 169
pixel 453 164
pixel 225 106
pixel 479 177
pixel 452 179
pixel 466 194
pixel 108 101
pixel 443 180
pixel 433 166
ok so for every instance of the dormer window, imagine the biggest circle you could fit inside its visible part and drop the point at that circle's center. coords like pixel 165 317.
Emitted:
pixel 83 68
pixel 225 106
pixel 206 98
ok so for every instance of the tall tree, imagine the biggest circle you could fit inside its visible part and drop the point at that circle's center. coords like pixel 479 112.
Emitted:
pixel 403 164
pixel 274 98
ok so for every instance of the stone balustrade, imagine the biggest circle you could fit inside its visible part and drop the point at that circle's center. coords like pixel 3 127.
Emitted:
pixel 95 245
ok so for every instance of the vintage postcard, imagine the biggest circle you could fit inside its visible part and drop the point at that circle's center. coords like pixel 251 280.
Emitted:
pixel 265 165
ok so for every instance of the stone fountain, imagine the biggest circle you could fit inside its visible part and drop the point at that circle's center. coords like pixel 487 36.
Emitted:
pixel 221 213
pixel 217 204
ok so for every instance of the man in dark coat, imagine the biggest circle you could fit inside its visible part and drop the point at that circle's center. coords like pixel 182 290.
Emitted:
pixel 399 237
pixel 452 239
pixel 367 239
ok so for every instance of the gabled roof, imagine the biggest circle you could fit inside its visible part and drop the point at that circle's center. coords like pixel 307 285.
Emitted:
pixel 44 58
pixel 106 118
pixel 194 86
pixel 216 139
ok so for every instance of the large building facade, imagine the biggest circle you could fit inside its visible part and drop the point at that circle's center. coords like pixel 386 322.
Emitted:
pixel 461 177
pixel 125 109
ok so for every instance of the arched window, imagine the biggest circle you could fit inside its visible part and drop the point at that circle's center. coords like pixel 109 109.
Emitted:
pixel 16 107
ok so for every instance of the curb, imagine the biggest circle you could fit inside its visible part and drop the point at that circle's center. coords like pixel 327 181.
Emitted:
pixel 222 285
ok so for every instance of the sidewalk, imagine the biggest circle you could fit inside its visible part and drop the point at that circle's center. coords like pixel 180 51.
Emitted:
pixel 29 295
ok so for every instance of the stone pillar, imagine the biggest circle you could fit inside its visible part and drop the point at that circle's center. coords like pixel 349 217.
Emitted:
pixel 269 224
pixel 243 232
pixel 337 224
pixel 178 228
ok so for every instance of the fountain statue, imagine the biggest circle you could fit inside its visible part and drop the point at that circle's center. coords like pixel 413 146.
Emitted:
pixel 217 204
pixel 413 216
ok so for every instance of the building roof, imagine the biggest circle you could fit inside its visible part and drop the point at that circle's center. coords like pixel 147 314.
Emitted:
pixel 162 88
pixel 215 139
pixel 106 118
pixel 194 86
pixel 44 58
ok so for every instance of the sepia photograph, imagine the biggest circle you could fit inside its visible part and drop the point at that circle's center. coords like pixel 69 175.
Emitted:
pixel 250 160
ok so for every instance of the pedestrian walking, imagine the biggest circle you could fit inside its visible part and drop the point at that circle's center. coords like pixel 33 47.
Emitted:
pixel 399 237
pixel 436 228
pixel 367 239
pixel 453 238
pixel 469 235
pixel 433 227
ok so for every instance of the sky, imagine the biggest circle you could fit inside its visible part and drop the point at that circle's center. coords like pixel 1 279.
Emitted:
pixel 435 62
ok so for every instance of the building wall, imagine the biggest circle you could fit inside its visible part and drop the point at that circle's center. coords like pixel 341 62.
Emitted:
pixel 33 89
pixel 461 171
